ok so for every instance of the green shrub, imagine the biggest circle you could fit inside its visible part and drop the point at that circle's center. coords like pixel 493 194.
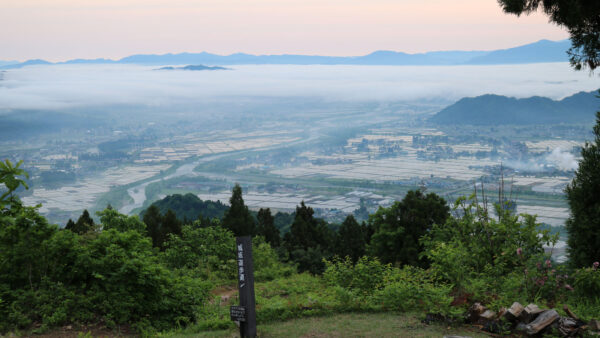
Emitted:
pixel 209 251
pixel 366 276
pixel 415 289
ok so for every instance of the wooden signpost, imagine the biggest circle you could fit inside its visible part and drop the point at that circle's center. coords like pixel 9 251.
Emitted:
pixel 245 313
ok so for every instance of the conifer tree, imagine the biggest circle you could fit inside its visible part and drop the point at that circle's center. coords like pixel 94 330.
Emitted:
pixel 153 221
pixel 583 194
pixel 170 224
pixel 266 227
pixel 350 240
pixel 238 218
pixel 84 224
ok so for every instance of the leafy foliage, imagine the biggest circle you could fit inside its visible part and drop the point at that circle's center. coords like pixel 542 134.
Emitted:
pixel 9 176
pixel 474 244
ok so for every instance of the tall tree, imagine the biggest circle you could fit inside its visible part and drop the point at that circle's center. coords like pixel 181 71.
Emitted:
pixel 583 195
pixel 397 229
pixel 266 227
pixel 238 218
pixel 580 17
pixel 350 240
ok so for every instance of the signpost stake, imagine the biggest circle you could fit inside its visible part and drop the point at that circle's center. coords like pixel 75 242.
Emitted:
pixel 245 314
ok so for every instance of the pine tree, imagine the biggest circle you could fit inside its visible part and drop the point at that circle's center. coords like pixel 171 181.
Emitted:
pixel 583 194
pixel 266 227
pixel 238 218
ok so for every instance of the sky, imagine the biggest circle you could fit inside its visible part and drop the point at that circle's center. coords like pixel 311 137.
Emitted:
pixel 57 30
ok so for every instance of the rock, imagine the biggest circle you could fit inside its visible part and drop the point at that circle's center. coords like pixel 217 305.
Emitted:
pixel 594 325
pixel 543 320
pixel 515 311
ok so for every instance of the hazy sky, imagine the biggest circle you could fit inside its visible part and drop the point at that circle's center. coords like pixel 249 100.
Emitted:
pixel 64 29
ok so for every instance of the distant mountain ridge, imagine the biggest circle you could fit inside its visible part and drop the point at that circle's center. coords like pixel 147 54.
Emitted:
pixel 496 109
pixel 541 51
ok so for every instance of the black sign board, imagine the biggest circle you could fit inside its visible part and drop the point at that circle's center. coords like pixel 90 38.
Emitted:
pixel 246 286
pixel 237 313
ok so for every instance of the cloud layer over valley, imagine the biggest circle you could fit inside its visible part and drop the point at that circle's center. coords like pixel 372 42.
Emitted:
pixel 65 86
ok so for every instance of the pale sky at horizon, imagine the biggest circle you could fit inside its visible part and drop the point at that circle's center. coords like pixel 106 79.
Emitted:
pixel 57 30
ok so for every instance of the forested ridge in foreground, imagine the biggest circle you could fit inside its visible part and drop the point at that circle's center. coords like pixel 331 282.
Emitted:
pixel 165 273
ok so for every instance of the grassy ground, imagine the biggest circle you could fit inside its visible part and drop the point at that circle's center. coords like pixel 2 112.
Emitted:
pixel 348 325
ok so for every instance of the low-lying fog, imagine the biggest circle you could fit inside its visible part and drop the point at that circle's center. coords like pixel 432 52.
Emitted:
pixel 62 86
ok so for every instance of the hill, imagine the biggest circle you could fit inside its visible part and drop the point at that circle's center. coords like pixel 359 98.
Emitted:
pixel 541 51
pixel 193 67
pixel 496 109
pixel 189 207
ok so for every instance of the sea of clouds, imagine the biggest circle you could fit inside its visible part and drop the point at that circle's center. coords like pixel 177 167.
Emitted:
pixel 61 86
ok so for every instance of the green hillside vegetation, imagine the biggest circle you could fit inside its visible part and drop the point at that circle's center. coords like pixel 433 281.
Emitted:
pixel 189 207
pixel 172 276
pixel 497 110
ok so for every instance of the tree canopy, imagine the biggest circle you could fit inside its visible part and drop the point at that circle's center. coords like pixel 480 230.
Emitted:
pixel 580 17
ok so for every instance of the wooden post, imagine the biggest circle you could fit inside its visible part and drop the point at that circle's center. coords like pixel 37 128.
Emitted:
pixel 246 286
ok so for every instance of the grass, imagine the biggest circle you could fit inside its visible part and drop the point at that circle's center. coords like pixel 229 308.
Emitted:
pixel 347 325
